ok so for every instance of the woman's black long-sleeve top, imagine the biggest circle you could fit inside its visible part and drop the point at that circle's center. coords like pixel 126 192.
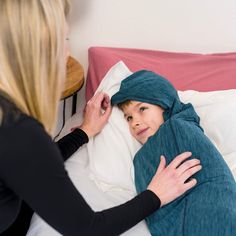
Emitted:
pixel 32 176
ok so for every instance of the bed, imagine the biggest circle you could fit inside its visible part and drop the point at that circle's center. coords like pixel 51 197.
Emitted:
pixel 205 80
pixel 197 54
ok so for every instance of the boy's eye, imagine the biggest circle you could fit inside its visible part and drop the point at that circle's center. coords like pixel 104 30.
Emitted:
pixel 142 108
pixel 129 118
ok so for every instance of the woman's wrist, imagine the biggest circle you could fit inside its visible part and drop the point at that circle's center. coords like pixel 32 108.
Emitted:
pixel 82 134
pixel 86 130
pixel 156 195
pixel 156 200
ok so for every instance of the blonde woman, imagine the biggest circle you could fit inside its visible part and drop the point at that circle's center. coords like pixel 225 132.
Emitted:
pixel 32 175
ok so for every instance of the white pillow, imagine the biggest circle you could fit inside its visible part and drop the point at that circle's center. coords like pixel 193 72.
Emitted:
pixel 217 111
pixel 111 152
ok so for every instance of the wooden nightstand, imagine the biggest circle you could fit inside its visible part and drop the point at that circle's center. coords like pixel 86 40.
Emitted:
pixel 74 81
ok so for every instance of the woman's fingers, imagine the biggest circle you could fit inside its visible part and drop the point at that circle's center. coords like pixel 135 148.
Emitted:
pixel 105 102
pixel 162 164
pixel 96 114
pixel 98 98
pixel 187 165
pixel 101 101
pixel 190 172
pixel 179 159
pixel 191 183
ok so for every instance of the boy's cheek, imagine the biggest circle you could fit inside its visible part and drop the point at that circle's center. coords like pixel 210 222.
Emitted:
pixel 132 132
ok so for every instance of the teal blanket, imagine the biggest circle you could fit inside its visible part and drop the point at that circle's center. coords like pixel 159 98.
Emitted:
pixel 209 209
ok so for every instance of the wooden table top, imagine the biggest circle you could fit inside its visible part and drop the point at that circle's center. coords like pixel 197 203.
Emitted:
pixel 74 78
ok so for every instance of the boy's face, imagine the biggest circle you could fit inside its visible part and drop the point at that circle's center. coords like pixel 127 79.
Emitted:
pixel 144 119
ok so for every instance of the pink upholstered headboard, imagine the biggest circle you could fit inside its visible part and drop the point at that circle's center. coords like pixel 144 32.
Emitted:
pixel 201 72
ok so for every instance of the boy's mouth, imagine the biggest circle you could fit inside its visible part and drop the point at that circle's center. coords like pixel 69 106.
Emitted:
pixel 140 132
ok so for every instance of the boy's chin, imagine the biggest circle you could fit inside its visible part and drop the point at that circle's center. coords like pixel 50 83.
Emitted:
pixel 143 141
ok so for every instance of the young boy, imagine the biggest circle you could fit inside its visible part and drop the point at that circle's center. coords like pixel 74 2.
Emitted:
pixel 166 126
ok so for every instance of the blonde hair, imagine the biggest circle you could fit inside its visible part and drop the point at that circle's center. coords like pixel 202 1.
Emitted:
pixel 32 60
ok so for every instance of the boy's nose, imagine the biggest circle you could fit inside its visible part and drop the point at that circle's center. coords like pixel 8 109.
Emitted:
pixel 135 122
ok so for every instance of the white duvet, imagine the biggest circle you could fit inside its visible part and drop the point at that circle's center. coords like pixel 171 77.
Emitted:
pixel 102 170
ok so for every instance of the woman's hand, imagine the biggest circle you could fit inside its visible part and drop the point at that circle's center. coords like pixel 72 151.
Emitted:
pixel 169 181
pixel 96 114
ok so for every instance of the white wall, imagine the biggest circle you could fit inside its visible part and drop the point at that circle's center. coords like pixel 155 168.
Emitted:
pixel 174 25
pixel 203 26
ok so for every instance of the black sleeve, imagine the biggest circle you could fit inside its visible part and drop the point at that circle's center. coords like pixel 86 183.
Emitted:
pixel 33 168
pixel 71 142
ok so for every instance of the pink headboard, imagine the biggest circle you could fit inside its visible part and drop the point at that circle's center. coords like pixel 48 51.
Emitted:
pixel 201 72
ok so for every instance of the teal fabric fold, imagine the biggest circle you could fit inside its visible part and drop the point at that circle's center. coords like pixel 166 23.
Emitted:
pixel 210 207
